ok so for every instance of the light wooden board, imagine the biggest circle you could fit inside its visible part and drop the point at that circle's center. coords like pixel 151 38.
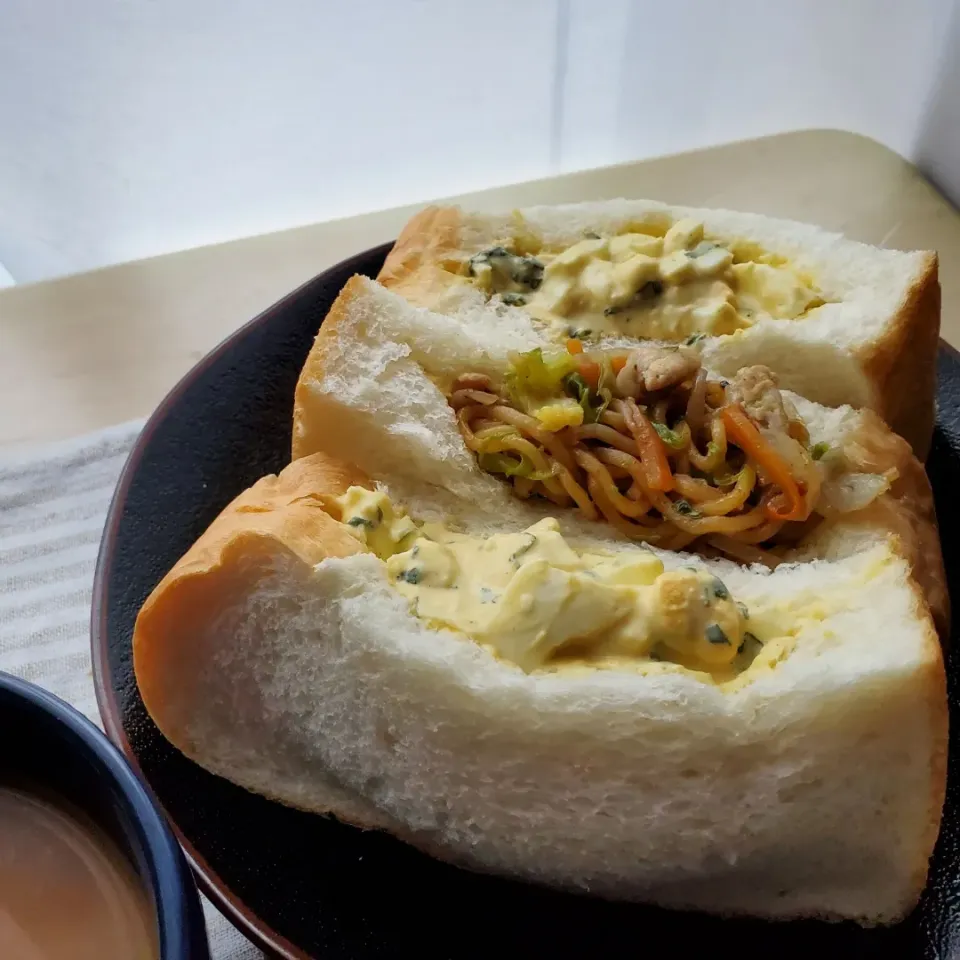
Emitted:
pixel 86 351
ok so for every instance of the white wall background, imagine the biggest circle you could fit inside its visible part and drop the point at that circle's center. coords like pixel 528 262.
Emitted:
pixel 135 127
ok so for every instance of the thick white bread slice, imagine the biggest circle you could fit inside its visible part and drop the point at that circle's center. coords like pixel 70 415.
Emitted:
pixel 278 656
pixel 873 346
pixel 367 395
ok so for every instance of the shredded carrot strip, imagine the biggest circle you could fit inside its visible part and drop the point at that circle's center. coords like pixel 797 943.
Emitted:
pixel 618 362
pixel 574 346
pixel 589 370
pixel 653 454
pixel 789 504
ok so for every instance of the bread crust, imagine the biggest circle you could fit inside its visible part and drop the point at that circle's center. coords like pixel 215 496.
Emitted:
pixel 293 513
pixel 907 509
pixel 899 365
pixel 935 684
pixel 414 267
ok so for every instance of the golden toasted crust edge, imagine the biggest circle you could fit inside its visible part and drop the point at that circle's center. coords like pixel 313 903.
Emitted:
pixel 906 510
pixel 935 684
pixel 414 267
pixel 291 513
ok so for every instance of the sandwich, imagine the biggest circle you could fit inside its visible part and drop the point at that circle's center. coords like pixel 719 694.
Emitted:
pixel 474 638
pixel 839 322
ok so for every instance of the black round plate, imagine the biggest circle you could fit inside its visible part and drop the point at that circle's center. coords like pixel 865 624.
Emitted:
pixel 302 885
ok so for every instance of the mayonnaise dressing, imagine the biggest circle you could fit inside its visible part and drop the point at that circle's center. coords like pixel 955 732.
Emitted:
pixel 535 601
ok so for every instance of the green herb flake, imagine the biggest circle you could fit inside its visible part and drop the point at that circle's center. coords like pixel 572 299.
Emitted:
pixel 530 274
pixel 744 611
pixel 819 450
pixel 520 551
pixel 670 437
pixel 360 522
pixel 684 507
pixel 751 641
pixel 513 299
pixel 412 575
pixel 719 588
pixel 523 270
pixel 593 404
pixel 693 339
pixel 643 297
pixel 716 635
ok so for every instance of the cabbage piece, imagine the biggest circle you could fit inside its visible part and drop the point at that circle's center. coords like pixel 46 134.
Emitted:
pixel 533 378
pixel 511 465
pixel 670 437
pixel 848 492
pixel 592 403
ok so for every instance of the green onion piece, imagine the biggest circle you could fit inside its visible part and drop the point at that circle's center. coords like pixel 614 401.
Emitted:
pixel 716 635
pixel 670 437
pixel 511 465
pixel 818 450
pixel 520 551
pixel 592 404
pixel 720 590
pixel 513 299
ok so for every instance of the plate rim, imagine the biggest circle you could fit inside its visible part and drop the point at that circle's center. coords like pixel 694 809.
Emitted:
pixel 240 915
pixel 207 879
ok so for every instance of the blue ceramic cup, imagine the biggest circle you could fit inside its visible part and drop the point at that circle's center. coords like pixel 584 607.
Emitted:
pixel 50 745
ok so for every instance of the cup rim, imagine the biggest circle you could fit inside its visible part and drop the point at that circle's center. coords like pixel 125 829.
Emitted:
pixel 169 882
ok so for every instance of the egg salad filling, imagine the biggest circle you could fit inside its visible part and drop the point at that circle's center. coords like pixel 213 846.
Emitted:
pixel 677 286
pixel 533 600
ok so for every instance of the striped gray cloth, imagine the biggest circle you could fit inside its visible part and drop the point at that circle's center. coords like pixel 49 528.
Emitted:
pixel 53 503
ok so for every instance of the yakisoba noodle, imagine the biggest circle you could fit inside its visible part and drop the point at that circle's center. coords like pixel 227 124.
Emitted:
pixel 700 489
